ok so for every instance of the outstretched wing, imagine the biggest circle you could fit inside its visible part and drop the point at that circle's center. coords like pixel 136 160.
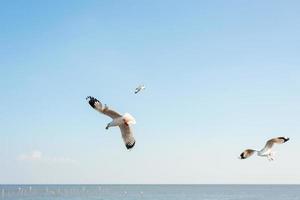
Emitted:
pixel 127 136
pixel 247 153
pixel 97 105
pixel 113 114
pixel 270 143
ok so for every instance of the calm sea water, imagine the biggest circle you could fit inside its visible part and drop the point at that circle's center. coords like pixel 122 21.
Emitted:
pixel 147 192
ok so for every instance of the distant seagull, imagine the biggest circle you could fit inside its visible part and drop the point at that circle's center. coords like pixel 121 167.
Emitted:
pixel 139 88
pixel 267 150
pixel 123 121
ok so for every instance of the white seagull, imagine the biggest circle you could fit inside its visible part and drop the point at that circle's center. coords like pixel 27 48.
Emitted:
pixel 267 150
pixel 139 88
pixel 123 121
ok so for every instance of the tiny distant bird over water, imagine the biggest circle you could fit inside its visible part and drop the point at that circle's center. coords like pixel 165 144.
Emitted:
pixel 139 88
pixel 267 150
pixel 123 121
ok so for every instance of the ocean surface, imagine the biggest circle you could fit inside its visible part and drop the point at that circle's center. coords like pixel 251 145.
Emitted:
pixel 147 192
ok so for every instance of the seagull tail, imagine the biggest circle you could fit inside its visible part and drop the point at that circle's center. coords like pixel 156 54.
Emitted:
pixel 129 118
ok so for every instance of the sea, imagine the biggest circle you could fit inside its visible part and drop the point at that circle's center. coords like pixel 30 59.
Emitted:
pixel 150 192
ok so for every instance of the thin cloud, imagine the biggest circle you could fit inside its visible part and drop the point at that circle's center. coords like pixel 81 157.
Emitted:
pixel 37 156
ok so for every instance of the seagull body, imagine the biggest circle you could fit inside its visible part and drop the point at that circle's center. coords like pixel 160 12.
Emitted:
pixel 267 150
pixel 124 122
pixel 139 88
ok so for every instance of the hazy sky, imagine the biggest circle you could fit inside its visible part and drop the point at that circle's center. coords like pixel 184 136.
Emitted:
pixel 221 76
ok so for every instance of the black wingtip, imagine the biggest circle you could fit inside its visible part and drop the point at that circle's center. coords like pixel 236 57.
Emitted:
pixel 92 101
pixel 242 156
pixel 285 139
pixel 130 146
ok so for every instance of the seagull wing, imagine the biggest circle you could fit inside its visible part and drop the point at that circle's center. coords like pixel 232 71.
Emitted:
pixel 97 105
pixel 270 143
pixel 113 114
pixel 247 153
pixel 127 136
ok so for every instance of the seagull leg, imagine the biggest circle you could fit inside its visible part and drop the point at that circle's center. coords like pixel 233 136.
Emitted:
pixel 270 158
pixel 107 126
pixel 272 155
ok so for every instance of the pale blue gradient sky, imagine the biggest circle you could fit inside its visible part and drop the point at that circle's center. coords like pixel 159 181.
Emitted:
pixel 221 76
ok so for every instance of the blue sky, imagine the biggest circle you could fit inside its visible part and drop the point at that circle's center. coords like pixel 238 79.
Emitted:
pixel 221 76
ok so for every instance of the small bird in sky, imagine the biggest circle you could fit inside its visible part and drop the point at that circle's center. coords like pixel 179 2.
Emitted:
pixel 267 150
pixel 139 88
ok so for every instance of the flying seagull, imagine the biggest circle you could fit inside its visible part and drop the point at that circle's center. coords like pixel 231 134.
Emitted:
pixel 139 88
pixel 267 150
pixel 123 121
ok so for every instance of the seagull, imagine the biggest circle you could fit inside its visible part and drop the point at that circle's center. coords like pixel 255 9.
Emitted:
pixel 139 88
pixel 267 150
pixel 123 121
